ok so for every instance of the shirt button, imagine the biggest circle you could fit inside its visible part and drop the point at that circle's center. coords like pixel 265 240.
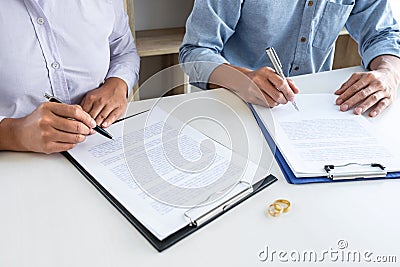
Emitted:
pixel 303 39
pixel 55 65
pixel 310 3
pixel 40 21
pixel 296 68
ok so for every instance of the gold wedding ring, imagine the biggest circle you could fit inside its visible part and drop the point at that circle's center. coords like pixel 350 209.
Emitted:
pixel 275 209
pixel 278 207
pixel 284 203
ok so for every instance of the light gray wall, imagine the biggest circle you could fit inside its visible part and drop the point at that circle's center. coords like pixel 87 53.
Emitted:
pixel 396 8
pixel 157 14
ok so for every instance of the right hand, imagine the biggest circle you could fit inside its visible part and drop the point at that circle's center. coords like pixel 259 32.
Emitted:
pixel 52 127
pixel 262 87
pixel 268 88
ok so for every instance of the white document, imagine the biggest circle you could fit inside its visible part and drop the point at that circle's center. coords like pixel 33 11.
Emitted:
pixel 321 135
pixel 154 171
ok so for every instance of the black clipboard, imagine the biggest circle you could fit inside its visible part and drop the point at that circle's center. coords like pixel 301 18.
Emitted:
pixel 161 245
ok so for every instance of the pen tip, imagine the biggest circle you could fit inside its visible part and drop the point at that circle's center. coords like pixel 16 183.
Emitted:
pixel 295 106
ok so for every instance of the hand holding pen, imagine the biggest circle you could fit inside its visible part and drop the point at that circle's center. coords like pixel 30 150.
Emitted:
pixel 96 128
pixel 50 128
pixel 273 56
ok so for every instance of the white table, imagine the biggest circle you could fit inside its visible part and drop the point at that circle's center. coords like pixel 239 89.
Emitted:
pixel 52 216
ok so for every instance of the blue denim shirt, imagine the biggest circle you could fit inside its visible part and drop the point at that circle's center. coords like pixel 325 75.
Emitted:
pixel 303 33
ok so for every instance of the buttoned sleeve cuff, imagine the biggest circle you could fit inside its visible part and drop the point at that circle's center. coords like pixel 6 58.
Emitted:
pixel 391 48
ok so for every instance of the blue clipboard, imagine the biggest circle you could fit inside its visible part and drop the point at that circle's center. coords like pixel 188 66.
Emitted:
pixel 286 170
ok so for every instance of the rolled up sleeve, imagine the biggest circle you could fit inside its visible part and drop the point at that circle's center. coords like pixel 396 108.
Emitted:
pixel 372 25
pixel 208 28
pixel 124 59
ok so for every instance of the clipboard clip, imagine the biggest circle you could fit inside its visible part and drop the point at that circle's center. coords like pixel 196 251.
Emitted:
pixel 219 208
pixel 372 170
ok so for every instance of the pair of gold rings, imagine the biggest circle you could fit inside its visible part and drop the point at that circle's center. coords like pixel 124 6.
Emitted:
pixel 278 207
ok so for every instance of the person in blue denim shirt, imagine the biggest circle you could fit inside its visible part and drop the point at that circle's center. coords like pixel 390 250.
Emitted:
pixel 231 36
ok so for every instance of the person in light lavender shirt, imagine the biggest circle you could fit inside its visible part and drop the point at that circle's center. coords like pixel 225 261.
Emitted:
pixel 81 51
pixel 225 43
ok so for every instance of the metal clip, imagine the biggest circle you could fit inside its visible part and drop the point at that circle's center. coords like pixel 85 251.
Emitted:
pixel 372 170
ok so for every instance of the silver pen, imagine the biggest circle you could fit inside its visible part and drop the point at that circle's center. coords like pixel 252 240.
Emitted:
pixel 273 56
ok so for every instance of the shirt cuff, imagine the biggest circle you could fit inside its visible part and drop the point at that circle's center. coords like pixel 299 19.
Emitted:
pixel 378 50
pixel 1 118
pixel 199 72
pixel 125 74
pixel 125 67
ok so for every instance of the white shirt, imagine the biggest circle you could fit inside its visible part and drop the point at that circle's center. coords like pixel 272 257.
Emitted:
pixel 63 48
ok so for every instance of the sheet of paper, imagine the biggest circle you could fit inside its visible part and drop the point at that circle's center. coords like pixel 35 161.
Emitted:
pixel 321 135
pixel 152 168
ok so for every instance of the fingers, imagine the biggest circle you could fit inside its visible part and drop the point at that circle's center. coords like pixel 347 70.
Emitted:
pixel 273 86
pixel 69 126
pixel 265 87
pixel 66 138
pixel 86 104
pixel 378 99
pixel 52 136
pixel 54 147
pixel 383 104
pixel 104 114
pixel 106 103
pixel 58 126
pixel 110 113
pixel 364 91
pixel 354 78
pixel 294 88
pixel 94 106
pixel 73 112
pixel 356 92
pixel 112 116
pixel 49 129
pixel 281 85
pixel 259 97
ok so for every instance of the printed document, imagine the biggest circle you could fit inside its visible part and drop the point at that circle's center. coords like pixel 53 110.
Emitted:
pixel 152 168
pixel 322 135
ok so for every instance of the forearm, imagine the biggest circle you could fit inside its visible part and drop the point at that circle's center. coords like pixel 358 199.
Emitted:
pixel 8 139
pixel 117 84
pixel 388 63
pixel 229 77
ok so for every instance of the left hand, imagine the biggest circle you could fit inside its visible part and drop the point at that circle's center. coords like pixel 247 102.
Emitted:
pixel 106 103
pixel 375 89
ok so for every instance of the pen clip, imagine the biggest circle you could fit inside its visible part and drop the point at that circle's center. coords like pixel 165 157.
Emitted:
pixel 52 98
pixel 276 57
pixel 276 63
